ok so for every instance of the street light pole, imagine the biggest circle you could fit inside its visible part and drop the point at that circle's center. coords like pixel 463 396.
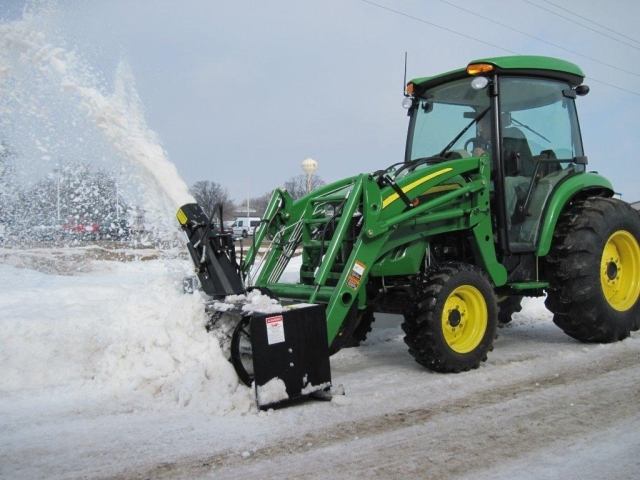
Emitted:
pixel 309 166
pixel 58 178
pixel 58 189
pixel 117 202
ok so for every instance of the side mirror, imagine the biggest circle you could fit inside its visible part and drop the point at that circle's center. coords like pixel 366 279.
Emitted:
pixel 582 90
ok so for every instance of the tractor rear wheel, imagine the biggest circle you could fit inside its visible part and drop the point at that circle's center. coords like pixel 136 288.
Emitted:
pixel 452 318
pixel 594 271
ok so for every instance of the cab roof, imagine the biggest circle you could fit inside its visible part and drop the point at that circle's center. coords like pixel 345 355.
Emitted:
pixel 530 65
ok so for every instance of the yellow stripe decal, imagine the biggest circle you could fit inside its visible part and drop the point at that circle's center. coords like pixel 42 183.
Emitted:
pixel 393 197
pixel 443 188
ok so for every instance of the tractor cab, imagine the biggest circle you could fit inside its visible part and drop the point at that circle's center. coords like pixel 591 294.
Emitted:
pixel 517 111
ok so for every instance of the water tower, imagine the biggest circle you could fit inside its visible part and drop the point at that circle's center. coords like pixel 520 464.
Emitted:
pixel 309 166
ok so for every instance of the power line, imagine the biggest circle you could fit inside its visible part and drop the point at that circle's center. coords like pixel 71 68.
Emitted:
pixel 613 86
pixel 582 25
pixel 481 41
pixel 437 26
pixel 591 21
pixel 539 39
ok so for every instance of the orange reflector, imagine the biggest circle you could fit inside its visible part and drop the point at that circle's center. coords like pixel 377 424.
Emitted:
pixel 410 89
pixel 416 202
pixel 476 68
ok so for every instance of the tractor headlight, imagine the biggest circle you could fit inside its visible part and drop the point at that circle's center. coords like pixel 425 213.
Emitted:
pixel 478 83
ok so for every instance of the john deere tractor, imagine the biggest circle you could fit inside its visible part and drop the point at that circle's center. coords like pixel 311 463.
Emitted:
pixel 492 202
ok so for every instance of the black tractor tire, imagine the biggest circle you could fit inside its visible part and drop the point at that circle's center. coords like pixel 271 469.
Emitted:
pixel 594 271
pixel 345 331
pixel 452 318
pixel 362 329
pixel 508 306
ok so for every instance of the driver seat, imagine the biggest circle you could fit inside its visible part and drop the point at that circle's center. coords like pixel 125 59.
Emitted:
pixel 518 160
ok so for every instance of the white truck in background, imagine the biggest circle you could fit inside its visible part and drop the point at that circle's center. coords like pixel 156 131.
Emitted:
pixel 245 226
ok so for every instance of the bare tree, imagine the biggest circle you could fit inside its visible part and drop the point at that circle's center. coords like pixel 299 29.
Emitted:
pixel 297 185
pixel 208 193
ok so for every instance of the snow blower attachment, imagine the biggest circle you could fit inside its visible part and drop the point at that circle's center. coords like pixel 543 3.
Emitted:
pixel 493 202
pixel 281 347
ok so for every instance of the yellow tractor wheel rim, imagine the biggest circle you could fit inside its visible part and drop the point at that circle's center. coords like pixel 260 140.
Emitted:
pixel 464 319
pixel 620 271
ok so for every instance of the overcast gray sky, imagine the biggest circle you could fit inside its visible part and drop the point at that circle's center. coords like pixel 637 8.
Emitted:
pixel 241 92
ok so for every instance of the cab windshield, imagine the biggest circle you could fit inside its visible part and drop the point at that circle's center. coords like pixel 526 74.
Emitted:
pixel 441 115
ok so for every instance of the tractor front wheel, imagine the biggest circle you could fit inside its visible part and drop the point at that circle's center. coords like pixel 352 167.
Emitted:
pixel 362 329
pixel 594 271
pixel 452 318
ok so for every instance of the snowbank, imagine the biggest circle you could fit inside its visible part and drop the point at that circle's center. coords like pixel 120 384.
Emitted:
pixel 122 332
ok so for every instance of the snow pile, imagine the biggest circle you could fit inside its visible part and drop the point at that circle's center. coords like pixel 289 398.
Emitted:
pixel 124 333
pixel 172 357
pixel 260 303
pixel 272 392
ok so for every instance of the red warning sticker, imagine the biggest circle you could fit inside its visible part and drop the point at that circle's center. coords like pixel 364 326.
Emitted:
pixel 275 330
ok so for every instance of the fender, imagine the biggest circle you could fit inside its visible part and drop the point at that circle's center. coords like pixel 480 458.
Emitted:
pixel 566 190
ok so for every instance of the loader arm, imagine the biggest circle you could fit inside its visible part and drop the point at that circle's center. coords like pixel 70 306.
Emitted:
pixel 372 213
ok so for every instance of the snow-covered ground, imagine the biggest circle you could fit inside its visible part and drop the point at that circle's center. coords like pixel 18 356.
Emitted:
pixel 106 370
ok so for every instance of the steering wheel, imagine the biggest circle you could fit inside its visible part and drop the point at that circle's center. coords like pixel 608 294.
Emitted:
pixel 476 142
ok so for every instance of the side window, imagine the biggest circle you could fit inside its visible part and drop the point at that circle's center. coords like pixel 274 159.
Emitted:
pixel 255 223
pixel 539 111
pixel 540 140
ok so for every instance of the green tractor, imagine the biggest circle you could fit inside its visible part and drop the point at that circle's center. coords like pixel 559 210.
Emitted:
pixel 493 202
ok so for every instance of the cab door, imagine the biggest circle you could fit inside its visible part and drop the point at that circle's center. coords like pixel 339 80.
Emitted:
pixel 540 147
